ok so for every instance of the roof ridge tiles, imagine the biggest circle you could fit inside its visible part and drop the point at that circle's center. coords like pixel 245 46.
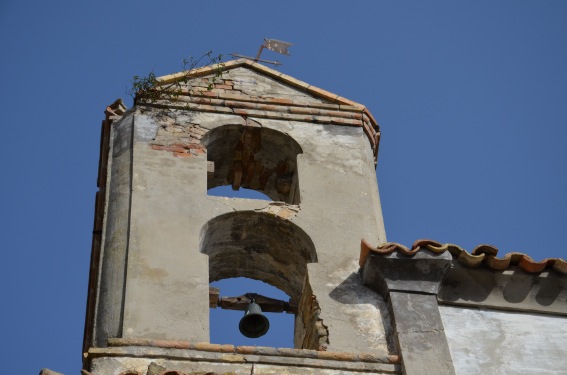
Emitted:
pixel 481 255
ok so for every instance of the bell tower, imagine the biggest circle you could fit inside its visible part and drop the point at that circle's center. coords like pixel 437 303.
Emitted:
pixel 159 239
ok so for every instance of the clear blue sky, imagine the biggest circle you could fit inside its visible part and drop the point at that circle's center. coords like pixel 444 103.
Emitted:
pixel 471 98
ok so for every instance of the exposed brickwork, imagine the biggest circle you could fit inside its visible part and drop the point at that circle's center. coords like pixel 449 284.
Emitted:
pixel 181 140
pixel 315 333
pixel 219 95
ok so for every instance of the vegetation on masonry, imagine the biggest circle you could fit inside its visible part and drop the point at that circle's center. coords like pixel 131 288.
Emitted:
pixel 150 88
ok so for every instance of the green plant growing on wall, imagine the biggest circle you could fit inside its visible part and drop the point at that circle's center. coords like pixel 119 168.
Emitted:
pixel 150 88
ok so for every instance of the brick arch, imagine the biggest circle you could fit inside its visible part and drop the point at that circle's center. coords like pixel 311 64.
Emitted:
pixel 259 246
pixel 254 157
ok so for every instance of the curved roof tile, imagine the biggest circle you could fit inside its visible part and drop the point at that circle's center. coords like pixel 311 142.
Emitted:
pixel 481 255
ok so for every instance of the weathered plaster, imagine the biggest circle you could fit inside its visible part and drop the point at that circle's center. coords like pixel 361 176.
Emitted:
pixel 420 334
pixel 109 304
pixel 160 252
pixel 484 341
pixel 328 209
pixel 240 360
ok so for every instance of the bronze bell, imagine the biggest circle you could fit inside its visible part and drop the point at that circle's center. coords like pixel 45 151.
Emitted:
pixel 253 324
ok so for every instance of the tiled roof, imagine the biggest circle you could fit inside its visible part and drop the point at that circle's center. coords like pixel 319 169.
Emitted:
pixel 481 255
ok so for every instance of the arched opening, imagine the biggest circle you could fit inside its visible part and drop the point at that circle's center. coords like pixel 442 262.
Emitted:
pixel 253 157
pixel 263 247
pixel 258 246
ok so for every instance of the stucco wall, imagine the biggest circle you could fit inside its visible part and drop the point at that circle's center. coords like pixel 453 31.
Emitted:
pixel 504 342
pixel 170 207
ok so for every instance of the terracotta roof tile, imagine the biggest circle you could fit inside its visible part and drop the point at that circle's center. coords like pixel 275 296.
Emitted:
pixel 481 255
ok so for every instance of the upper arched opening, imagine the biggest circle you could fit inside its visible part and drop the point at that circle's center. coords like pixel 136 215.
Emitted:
pixel 253 157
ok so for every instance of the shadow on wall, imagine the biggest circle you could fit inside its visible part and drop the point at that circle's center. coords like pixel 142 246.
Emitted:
pixel 352 292
pixel 514 286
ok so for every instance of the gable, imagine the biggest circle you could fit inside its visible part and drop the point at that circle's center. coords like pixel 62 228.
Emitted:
pixel 252 90
pixel 254 84
pixel 257 81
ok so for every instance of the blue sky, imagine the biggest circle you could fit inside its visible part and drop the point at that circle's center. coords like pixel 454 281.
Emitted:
pixel 471 98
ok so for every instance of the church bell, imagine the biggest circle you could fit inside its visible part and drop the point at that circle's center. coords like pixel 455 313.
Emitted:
pixel 253 324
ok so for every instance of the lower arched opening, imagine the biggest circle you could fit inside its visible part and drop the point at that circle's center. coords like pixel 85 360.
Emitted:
pixel 260 246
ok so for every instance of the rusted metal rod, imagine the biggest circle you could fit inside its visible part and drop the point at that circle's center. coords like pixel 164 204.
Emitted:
pixel 276 63
pixel 259 52
pixel 239 303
